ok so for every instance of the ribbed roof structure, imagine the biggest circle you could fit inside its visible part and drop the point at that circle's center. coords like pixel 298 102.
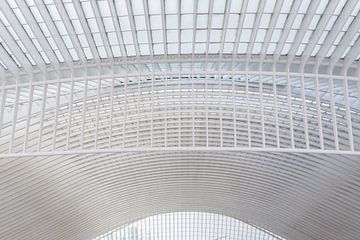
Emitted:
pixel 114 112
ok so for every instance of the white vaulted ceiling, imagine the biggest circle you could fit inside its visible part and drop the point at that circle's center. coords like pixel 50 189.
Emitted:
pixel 159 115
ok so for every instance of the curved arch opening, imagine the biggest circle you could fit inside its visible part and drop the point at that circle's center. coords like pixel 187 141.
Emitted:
pixel 189 226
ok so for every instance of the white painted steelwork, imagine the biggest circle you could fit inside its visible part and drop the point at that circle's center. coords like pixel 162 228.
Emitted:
pixel 113 111
pixel 190 226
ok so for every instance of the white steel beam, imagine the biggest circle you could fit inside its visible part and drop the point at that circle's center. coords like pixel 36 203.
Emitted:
pixel 148 27
pixel 224 25
pixel 133 26
pixel 117 27
pixel 70 29
pixel 178 149
pixel 319 30
pixel 240 27
pixel 15 49
pixel 269 32
pixel 211 3
pixel 254 32
pixel 80 12
pixel 351 56
pixel 285 32
pixel 102 30
pixel 24 37
pixel 38 33
pixel 54 32
pixel 8 61
pixel 345 41
pixel 335 30
pixel 163 16
pixel 304 28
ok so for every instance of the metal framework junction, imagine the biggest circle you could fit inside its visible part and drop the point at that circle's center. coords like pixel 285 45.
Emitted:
pixel 112 111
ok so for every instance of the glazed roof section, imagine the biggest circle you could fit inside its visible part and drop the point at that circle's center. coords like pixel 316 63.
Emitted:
pixel 43 33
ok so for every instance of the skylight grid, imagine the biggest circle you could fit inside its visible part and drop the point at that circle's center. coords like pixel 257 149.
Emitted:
pixel 59 23
pixel 109 25
pixel 103 29
pixel 79 31
pixel 3 65
pixel 15 37
pixel 45 30
pixel 30 33
pixel 7 49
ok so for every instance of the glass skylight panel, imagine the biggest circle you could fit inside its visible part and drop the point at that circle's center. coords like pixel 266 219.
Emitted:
pixel 172 22
pixel 300 49
pixel 331 50
pixel 286 7
pixel 186 48
pixel 322 37
pixel 201 21
pixel 127 37
pixel 137 7
pixel 242 48
pixel 281 21
pixel 142 37
pixel 154 7
pixel 219 6
pixel 215 35
pixel 356 10
pixel 316 49
pixel 102 51
pixel 252 6
pixel 7 49
pixel 314 22
pixel 217 21
pixel 157 36
pixel 124 23
pixel 235 6
pixel 186 35
pixel 187 21
pixel 201 36
pixel 245 35
pixel 228 48
pixel 144 49
pixel 260 35
pixel 321 7
pixel 116 51
pixel 171 6
pixel 158 49
pixel 338 38
pixel 187 6
pixel 276 35
pixel 291 36
pixel 140 22
pixel 330 23
pixel 172 35
pixel 30 58
pixel 339 7
pixel 249 21
pixel 257 48
pixel 233 21
pixel 214 48
pixel 3 65
pixel 297 21
pixel 307 36
pixel 173 48
pixel 347 23
pixel 230 35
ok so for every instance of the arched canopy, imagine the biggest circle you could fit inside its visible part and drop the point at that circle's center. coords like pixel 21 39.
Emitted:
pixel 112 111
